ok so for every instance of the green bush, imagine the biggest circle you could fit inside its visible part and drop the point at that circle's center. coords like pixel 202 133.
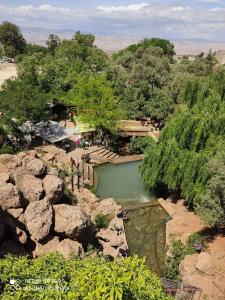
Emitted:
pixel 91 278
pixel 102 221
pixel 140 144
pixel 179 250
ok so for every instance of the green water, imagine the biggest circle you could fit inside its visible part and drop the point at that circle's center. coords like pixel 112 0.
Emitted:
pixel 122 182
pixel 146 225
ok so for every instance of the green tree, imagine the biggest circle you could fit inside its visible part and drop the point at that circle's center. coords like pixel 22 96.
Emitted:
pixel 95 102
pixel 211 204
pixel 12 39
pixel 84 39
pixel 23 101
pixel 53 43
pixel 189 141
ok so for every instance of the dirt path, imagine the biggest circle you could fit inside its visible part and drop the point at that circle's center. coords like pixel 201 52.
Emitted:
pixel 7 71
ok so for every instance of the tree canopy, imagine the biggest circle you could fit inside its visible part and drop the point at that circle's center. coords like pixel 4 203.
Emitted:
pixel 12 39
pixel 181 160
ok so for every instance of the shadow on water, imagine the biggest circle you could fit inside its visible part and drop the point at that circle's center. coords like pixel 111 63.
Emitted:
pixel 146 225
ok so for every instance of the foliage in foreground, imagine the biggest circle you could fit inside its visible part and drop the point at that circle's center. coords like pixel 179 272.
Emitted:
pixel 53 277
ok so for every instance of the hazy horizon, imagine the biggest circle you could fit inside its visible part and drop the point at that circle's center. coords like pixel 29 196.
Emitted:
pixel 171 19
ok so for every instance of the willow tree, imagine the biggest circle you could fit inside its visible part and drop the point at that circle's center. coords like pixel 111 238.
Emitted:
pixel 181 159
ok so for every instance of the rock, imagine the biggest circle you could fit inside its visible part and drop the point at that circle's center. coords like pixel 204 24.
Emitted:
pixel 30 186
pixel 110 251
pixel 5 177
pixel 52 149
pixel 48 157
pixel 110 236
pixel 20 236
pixel 9 196
pixel 12 247
pixel 11 161
pixel 28 157
pixel 204 263
pixel 187 267
pixel 109 206
pixel 52 171
pixel 38 218
pixel 84 195
pixel 15 212
pixel 72 222
pixel 68 247
pixel 54 188
pixel 65 247
pixel 36 167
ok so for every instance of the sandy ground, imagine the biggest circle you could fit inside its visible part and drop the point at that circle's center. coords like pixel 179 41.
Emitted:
pixel 7 71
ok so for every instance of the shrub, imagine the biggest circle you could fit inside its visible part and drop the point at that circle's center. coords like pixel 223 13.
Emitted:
pixel 179 250
pixel 102 221
pixel 90 278
pixel 140 144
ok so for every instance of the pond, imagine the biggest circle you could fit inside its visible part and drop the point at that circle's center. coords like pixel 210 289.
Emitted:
pixel 146 225
pixel 122 182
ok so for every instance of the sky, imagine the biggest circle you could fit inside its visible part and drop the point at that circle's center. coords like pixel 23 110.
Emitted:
pixel 176 20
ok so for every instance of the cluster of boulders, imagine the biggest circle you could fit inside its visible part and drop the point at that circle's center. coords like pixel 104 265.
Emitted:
pixel 35 218
pixel 113 238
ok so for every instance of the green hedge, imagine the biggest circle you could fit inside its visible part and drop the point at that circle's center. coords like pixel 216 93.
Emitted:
pixel 90 278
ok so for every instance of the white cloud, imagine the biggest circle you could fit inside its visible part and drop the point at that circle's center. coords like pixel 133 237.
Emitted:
pixel 128 8
pixel 143 19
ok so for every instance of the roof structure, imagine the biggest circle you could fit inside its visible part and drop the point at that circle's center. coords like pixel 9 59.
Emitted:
pixel 52 131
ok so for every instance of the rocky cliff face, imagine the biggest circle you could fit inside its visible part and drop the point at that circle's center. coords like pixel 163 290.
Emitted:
pixel 35 217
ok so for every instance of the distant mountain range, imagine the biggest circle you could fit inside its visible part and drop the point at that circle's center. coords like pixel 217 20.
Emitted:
pixel 114 43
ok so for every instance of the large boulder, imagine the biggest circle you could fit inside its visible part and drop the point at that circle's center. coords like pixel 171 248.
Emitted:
pixel 10 161
pixel 30 186
pixel 65 247
pixel 38 218
pixel 9 196
pixel 15 212
pixel 72 222
pixel 109 206
pixel 54 188
pixel 204 263
pixel 36 167
pixel 5 177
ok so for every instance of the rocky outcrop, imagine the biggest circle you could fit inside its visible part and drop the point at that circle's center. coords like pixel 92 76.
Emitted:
pixel 72 222
pixel 36 167
pixel 30 186
pixel 65 247
pixel 31 218
pixel 9 196
pixel 38 218
pixel 5 177
pixel 54 188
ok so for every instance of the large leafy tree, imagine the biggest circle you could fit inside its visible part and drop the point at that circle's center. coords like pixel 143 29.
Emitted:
pixel 53 42
pixel 95 101
pixel 181 159
pixel 12 39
